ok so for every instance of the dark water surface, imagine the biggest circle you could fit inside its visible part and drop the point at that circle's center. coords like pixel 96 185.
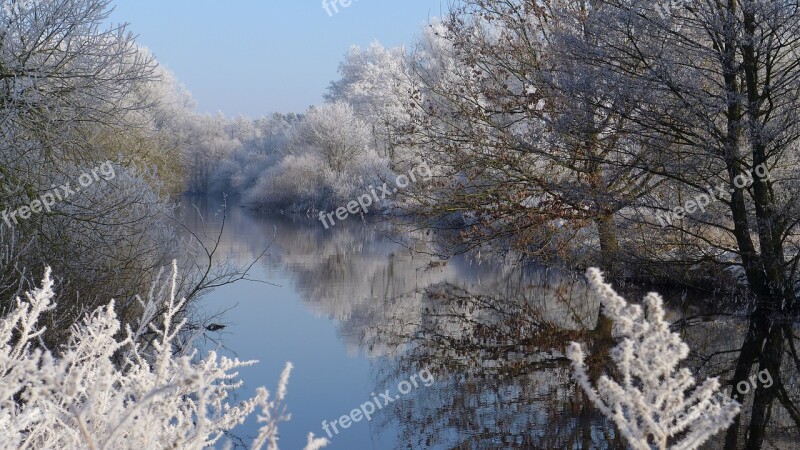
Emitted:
pixel 475 346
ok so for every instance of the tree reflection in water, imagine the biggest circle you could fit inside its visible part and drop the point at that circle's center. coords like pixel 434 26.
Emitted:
pixel 504 383
pixel 502 380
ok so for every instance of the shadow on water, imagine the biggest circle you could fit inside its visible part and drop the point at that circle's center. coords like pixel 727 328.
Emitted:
pixel 491 335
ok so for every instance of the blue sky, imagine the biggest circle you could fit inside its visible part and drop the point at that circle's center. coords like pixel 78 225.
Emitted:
pixel 255 57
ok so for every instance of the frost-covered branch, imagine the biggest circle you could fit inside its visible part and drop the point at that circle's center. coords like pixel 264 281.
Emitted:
pixel 84 398
pixel 653 402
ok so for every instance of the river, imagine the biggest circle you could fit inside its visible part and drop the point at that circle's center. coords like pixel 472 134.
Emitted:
pixel 463 353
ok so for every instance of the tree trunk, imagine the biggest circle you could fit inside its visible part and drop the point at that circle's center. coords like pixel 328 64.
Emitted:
pixel 765 396
pixel 609 249
pixel 609 245
pixel 751 348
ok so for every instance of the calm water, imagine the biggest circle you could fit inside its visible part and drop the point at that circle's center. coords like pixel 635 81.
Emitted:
pixel 357 313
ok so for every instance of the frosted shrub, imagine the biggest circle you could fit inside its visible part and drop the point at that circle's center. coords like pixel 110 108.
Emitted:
pixel 328 161
pixel 109 388
pixel 296 184
pixel 304 181
pixel 652 402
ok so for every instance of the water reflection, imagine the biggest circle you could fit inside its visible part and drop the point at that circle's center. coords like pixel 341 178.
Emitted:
pixel 493 336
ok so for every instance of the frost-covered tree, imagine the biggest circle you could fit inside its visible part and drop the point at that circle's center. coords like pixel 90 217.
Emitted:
pixel 715 88
pixel 328 159
pixel 263 142
pixel 156 136
pixel 333 131
pixel 110 388
pixel 210 143
pixel 376 82
pixel 530 159
pixel 78 92
pixel 652 402
pixel 62 66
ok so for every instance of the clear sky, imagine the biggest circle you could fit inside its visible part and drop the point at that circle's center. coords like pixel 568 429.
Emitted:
pixel 255 57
